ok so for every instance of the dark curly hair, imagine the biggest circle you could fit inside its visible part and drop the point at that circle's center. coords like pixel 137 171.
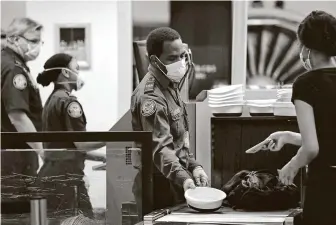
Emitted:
pixel 157 37
pixel 318 32
pixel 58 60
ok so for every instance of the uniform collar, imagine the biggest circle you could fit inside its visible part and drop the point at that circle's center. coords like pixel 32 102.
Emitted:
pixel 60 87
pixel 161 78
pixel 16 55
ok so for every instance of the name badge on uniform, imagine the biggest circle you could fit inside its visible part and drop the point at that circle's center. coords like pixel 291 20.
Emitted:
pixel 186 140
pixel 176 114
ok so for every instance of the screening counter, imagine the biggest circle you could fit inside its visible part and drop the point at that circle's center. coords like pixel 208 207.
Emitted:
pixel 219 144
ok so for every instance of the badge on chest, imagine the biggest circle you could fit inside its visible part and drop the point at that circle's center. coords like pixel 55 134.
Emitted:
pixel 176 114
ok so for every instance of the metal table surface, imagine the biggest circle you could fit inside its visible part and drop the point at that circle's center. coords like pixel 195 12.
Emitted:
pixel 183 215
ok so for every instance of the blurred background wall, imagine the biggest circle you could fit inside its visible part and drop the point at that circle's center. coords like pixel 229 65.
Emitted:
pixel 194 20
pixel 146 13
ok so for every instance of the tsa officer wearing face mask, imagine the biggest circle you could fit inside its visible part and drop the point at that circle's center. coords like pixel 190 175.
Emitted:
pixel 21 105
pixel 157 106
pixel 63 112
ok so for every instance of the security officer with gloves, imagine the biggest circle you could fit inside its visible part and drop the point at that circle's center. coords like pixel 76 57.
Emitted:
pixel 156 106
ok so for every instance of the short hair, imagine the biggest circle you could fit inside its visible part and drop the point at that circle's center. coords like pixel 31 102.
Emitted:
pixel 20 26
pixel 157 37
pixel 318 32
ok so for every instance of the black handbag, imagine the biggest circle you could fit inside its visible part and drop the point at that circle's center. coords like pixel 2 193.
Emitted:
pixel 260 191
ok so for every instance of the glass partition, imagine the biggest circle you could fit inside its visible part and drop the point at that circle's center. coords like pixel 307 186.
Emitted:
pixel 116 187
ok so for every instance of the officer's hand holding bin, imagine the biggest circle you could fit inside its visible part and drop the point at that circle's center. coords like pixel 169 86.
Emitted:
pixel 189 184
pixel 200 177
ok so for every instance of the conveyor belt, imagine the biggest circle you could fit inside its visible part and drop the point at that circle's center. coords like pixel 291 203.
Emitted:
pixel 225 215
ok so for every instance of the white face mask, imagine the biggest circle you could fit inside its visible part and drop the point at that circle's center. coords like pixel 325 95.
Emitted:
pixel 79 83
pixel 306 62
pixel 33 51
pixel 176 70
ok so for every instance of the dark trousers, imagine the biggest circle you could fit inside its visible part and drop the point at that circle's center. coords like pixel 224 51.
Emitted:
pixel 177 193
pixel 67 192
pixel 320 198
pixel 18 173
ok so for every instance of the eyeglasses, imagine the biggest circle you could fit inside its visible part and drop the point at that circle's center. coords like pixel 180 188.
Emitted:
pixel 34 41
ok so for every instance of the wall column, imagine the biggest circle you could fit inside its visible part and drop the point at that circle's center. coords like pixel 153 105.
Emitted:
pixel 239 41
pixel 125 56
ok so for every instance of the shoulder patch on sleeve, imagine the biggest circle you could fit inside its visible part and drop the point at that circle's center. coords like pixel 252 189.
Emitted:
pixel 149 86
pixel 20 82
pixel 148 108
pixel 74 110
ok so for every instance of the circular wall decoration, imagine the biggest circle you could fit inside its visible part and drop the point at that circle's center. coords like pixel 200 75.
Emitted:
pixel 272 47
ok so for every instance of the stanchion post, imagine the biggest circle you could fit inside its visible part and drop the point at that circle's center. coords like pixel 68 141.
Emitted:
pixel 38 211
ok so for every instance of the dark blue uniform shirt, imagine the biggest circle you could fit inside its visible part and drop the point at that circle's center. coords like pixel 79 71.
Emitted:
pixel 18 91
pixel 63 112
pixel 157 106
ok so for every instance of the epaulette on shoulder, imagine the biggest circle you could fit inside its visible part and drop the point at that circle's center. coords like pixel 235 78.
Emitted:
pixel 71 95
pixel 18 63
pixel 150 85
pixel 62 94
